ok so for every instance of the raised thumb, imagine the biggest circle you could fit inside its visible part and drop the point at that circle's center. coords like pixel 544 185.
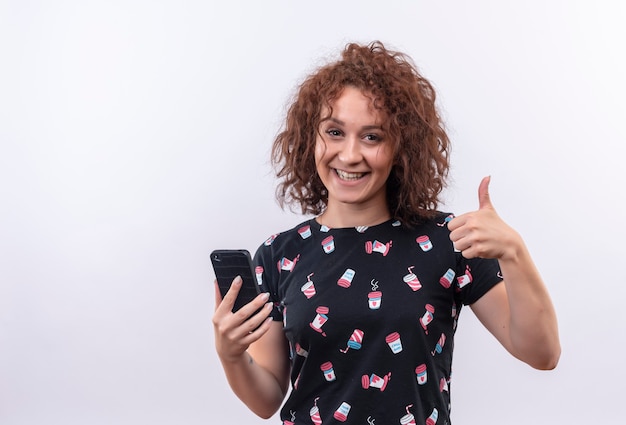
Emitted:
pixel 484 201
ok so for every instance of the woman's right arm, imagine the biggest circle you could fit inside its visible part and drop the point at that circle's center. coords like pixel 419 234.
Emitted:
pixel 253 352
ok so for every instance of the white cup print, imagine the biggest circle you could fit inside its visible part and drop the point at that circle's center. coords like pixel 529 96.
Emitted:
pixel 293 419
pixel 432 419
pixel 375 381
pixel 412 280
pixel 315 414
pixel 393 339
pixel 346 279
pixel 308 289
pixel 355 341
pixel 377 246
pixel 258 271
pixel 328 244
pixel 439 346
pixel 421 374
pixel 328 371
pixel 408 419
pixel 320 319
pixel 304 231
pixel 374 299
pixel 427 317
pixel 443 385
pixel 341 414
pixel 465 278
pixel 424 243
pixel 447 279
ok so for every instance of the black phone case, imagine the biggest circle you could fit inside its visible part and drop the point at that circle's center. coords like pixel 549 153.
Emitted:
pixel 230 263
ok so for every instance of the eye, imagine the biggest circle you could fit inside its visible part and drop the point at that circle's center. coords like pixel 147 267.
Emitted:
pixel 333 132
pixel 373 137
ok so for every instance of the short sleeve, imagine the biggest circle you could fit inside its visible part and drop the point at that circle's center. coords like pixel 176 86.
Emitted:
pixel 266 267
pixel 475 277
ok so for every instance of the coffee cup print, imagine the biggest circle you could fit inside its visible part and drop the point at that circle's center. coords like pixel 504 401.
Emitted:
pixel 439 346
pixel 315 414
pixel 286 264
pixel 432 419
pixel 465 278
pixel 376 246
pixel 412 280
pixel 301 351
pixel 408 419
pixel 346 279
pixel 421 374
pixel 374 299
pixel 258 271
pixel 424 243
pixel 270 240
pixel 308 289
pixel 443 385
pixel 293 419
pixel 447 279
pixel 304 231
pixel 427 317
pixel 341 414
pixel 328 371
pixel 446 220
pixel 328 244
pixel 394 342
pixel 355 341
pixel 320 319
pixel 375 381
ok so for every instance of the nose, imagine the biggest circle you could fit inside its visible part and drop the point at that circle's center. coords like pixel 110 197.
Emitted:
pixel 351 151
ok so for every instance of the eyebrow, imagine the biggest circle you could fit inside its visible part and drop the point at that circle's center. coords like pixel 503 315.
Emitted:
pixel 367 127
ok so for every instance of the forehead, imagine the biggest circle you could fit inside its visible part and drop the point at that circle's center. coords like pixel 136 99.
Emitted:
pixel 352 102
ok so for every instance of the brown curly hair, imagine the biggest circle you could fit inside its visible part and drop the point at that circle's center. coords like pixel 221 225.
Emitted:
pixel 420 143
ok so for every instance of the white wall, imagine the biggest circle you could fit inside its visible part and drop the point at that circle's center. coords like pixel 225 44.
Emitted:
pixel 135 138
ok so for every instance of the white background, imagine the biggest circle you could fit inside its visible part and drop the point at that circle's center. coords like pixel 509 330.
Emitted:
pixel 135 138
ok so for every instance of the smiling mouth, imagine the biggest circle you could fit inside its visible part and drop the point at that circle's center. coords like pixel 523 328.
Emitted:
pixel 344 175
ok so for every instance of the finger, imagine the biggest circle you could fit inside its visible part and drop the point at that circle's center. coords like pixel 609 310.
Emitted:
pixel 261 316
pixel 229 298
pixel 218 294
pixel 257 332
pixel 484 201
pixel 455 223
pixel 249 324
pixel 247 311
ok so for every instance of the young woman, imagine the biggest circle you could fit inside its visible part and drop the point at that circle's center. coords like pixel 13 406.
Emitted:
pixel 360 303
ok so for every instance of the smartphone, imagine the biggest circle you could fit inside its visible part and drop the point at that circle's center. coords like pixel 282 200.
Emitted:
pixel 230 263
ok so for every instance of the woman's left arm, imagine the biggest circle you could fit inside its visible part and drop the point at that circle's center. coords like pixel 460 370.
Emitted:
pixel 518 312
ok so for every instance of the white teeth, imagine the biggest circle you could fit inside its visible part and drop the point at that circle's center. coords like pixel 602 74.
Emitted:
pixel 349 176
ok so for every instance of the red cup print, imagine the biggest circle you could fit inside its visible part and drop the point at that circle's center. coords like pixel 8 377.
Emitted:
pixel 374 299
pixel 328 244
pixel 341 414
pixel 327 370
pixel 393 339
pixel 412 280
pixel 424 243
pixel 346 279
pixel 422 375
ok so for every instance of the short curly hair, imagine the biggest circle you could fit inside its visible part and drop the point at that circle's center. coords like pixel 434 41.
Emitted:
pixel 420 144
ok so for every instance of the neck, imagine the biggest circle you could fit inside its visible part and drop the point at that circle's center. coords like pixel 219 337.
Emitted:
pixel 348 216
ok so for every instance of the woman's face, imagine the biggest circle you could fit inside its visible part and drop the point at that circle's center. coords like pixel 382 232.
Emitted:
pixel 353 155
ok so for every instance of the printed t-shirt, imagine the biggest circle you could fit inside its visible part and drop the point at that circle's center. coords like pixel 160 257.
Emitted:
pixel 370 315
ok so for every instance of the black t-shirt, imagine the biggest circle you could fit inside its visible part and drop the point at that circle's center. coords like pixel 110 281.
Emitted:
pixel 370 315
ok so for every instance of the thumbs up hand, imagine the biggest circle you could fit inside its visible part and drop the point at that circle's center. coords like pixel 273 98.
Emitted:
pixel 482 233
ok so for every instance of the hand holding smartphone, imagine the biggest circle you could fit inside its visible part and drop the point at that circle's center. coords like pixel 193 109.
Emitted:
pixel 230 263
